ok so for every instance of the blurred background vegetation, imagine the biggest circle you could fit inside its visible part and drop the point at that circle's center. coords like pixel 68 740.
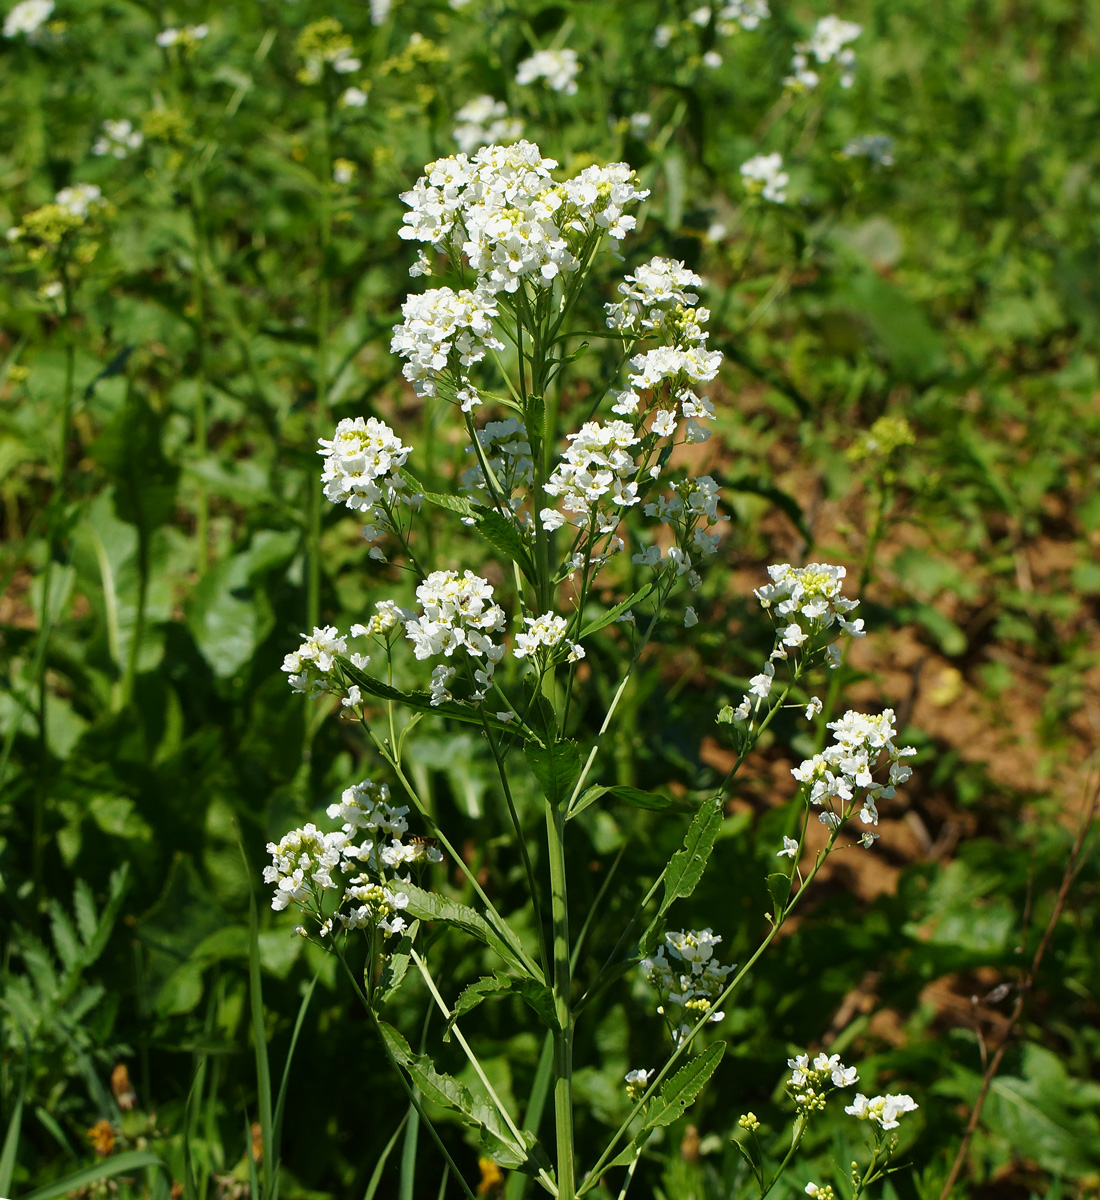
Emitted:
pixel 159 401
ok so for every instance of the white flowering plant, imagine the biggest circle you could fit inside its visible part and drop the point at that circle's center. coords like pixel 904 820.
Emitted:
pixel 559 516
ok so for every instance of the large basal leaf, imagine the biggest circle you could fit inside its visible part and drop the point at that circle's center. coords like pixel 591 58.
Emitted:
pixel 430 906
pixel 680 1091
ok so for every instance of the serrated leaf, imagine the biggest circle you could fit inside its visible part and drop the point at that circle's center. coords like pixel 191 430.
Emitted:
pixel 680 1091
pixel 462 505
pixel 536 995
pixel 688 863
pixel 397 964
pixel 475 1110
pixel 430 906
pixel 613 614
pixel 501 531
pixel 556 768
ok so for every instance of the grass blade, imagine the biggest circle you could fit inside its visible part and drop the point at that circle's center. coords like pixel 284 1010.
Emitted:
pixel 263 1067
pixel 119 1164
pixel 11 1139
pixel 380 1165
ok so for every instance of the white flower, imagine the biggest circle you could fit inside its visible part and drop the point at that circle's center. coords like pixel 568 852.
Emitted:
pixel 458 613
pixel 343 171
pixel 362 464
pixel 881 1110
pixel 761 685
pixel 118 139
pixel 687 977
pixel 790 848
pixel 598 464
pixel 28 16
pixel 353 97
pixel 444 330
pixel 712 59
pixel 639 123
pixel 379 11
pixel 558 67
pixel 746 13
pixel 484 122
pixel 827 44
pixel 310 666
pixel 813 709
pixel 763 175
pixel 79 199
pixel 878 149
pixel 546 631
pixel 186 36
pixel 690 617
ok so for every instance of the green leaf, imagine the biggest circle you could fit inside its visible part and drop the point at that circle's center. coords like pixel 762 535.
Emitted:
pixel 536 995
pixel 688 863
pixel 430 906
pixel 118 1164
pixel 779 888
pixel 462 505
pixel 129 451
pixel 613 614
pixel 679 1091
pixel 421 702
pixel 633 796
pixel 475 1110
pixel 556 768
pixel 501 531
pixel 397 964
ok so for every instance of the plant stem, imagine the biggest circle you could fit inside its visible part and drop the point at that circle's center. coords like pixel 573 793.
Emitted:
pixel 198 303
pixel 563 1034
pixel 320 405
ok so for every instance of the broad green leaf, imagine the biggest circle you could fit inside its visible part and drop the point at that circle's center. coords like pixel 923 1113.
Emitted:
pixel 536 995
pixel 556 768
pixel 430 906
pixel 679 1091
pixel 688 863
pixel 129 451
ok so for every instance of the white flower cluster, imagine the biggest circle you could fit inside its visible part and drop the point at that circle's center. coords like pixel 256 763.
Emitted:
pixel 28 16
pixel 458 612
pixel 730 18
pixel 656 302
pixel 687 978
pixel 559 68
pixel 825 1068
pixel 861 744
pixel 637 1082
pixel 362 470
pixel 746 14
pixel 810 601
pixel 186 37
pixel 764 176
pixel 80 199
pixel 828 43
pixel 444 331
pixel 690 510
pixel 118 139
pixel 881 1110
pixel 504 212
pixel 548 632
pixel 597 464
pixel 306 864
pixel 484 121
pixel 310 667
pixel 507 454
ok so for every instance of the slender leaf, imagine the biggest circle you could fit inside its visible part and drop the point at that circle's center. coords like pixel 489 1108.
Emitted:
pixel 536 995
pixel 430 906
pixel 688 863
pixel 117 1164
pixel 11 1138
pixel 259 1038
pixel 383 1158
pixel 634 797
pixel 613 614
pixel 679 1091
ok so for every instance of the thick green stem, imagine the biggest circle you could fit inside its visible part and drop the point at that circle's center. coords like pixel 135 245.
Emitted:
pixel 563 1034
